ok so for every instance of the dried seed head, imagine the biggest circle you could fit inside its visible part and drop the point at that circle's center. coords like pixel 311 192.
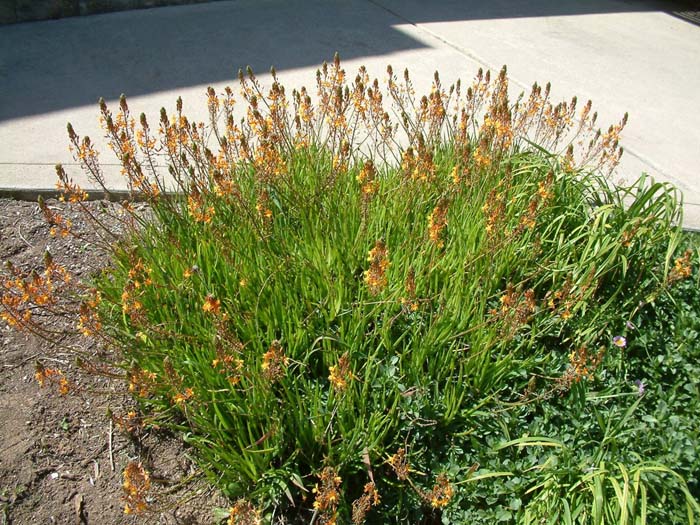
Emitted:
pixel 364 503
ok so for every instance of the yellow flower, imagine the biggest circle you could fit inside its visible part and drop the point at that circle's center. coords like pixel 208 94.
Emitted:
pixel 400 464
pixel 274 363
pixel 340 374
pixel 327 495
pixel 180 398
pixel 442 492
pixel 244 513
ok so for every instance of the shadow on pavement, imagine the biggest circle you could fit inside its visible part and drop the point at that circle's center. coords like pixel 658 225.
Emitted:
pixel 53 65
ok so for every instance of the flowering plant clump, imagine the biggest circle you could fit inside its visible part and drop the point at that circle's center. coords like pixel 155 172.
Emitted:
pixel 318 283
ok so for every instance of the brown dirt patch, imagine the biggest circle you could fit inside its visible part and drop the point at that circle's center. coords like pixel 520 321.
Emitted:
pixel 61 457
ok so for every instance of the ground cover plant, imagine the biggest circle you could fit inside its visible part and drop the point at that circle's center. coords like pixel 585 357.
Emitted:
pixel 388 308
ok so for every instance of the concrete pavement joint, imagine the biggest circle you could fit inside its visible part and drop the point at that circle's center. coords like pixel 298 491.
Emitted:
pixel 33 194
pixel 465 52
pixel 675 181
pixel 53 163
pixel 461 50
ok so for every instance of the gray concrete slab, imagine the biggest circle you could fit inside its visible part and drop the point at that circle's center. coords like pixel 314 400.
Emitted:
pixel 625 56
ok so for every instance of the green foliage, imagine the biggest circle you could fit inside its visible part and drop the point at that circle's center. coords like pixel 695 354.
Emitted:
pixel 431 380
pixel 624 442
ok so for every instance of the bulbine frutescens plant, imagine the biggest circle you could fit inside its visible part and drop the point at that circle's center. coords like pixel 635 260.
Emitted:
pixel 337 290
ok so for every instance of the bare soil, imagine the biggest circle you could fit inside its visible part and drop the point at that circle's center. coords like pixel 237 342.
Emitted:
pixel 62 457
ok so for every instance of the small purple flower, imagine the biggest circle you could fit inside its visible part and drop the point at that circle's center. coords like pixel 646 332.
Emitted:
pixel 640 387
pixel 630 325
pixel 619 341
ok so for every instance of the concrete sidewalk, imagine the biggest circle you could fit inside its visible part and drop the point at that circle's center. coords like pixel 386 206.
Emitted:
pixel 623 55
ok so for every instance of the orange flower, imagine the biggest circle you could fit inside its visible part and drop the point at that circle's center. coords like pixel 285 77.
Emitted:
pixel 367 178
pixel 244 513
pixel 327 495
pixel 211 304
pixel 141 382
pixel 274 363
pixel 198 210
pixel 44 376
pixel 340 374
pixel 400 464
pixel 682 268
pixel 441 494
pixel 137 482
pixel 437 221
pixel 375 276
pixel 181 397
